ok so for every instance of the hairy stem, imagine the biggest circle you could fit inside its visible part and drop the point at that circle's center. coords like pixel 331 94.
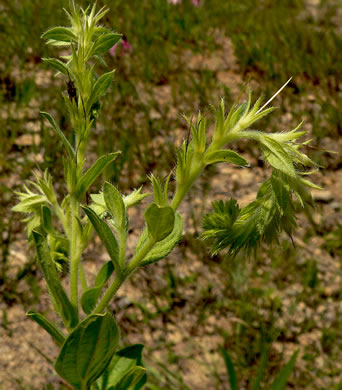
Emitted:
pixel 83 278
pixel 74 253
pixel 137 259
pixel 122 249
pixel 113 288
pixel 183 189
pixel 61 216
pixel 121 277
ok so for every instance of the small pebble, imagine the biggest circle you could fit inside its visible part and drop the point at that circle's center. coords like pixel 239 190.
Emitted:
pixel 322 196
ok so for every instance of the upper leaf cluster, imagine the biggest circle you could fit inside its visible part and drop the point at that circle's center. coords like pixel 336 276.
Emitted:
pixel 274 210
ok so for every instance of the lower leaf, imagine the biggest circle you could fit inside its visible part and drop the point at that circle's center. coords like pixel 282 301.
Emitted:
pixel 88 350
pixel 125 370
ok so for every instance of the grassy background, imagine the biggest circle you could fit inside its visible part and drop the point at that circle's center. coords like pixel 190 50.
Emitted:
pixel 185 58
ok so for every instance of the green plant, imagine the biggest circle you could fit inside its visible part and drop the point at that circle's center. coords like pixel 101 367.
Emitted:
pixel 279 382
pixel 61 230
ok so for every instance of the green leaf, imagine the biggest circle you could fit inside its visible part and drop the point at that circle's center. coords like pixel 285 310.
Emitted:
pixel 125 369
pixel 281 380
pixel 57 64
pixel 105 42
pixel 63 34
pixel 93 172
pixel 230 369
pixel 162 248
pixel 88 350
pixel 160 221
pixel 281 191
pixel 89 299
pixel 56 333
pixel 105 234
pixel 115 205
pixel 160 189
pixel 47 220
pixel 272 212
pixel 100 88
pixel 135 197
pixel 130 382
pixel 29 204
pixel 276 155
pixel 98 31
pixel 225 156
pixel 60 133
pixel 58 296
pixel 105 273
pixel 91 296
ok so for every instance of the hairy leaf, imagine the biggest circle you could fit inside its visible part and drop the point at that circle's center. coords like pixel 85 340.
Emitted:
pixel 47 220
pixel 105 273
pixel 63 34
pixel 162 248
pixel 105 42
pixel 277 156
pixel 56 333
pixel 100 88
pixel 124 371
pixel 105 234
pixel 57 64
pixel 115 205
pixel 89 299
pixel 60 133
pixel 88 350
pixel 93 172
pixel 229 227
pixel 29 203
pixel 160 221
pixel 225 156
pixel 91 295
pixel 58 296
pixel 135 197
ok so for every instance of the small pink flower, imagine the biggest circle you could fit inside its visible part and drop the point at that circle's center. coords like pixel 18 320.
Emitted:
pixel 126 47
pixel 196 2
pixel 175 1
pixel 112 50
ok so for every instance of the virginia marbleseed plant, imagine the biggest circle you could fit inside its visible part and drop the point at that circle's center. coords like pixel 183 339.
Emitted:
pixel 87 333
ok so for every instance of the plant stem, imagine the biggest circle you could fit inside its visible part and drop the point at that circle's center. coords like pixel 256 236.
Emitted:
pixel 113 288
pixel 61 216
pixel 122 249
pixel 120 278
pixel 135 262
pixel 83 278
pixel 183 189
pixel 74 253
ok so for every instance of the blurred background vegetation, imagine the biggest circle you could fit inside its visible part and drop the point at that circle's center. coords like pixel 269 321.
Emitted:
pixel 182 58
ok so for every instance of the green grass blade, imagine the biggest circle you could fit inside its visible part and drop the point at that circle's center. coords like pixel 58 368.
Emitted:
pixel 281 380
pixel 230 369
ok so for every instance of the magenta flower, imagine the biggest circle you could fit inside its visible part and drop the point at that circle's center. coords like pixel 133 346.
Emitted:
pixel 126 47
pixel 194 2
pixel 112 50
